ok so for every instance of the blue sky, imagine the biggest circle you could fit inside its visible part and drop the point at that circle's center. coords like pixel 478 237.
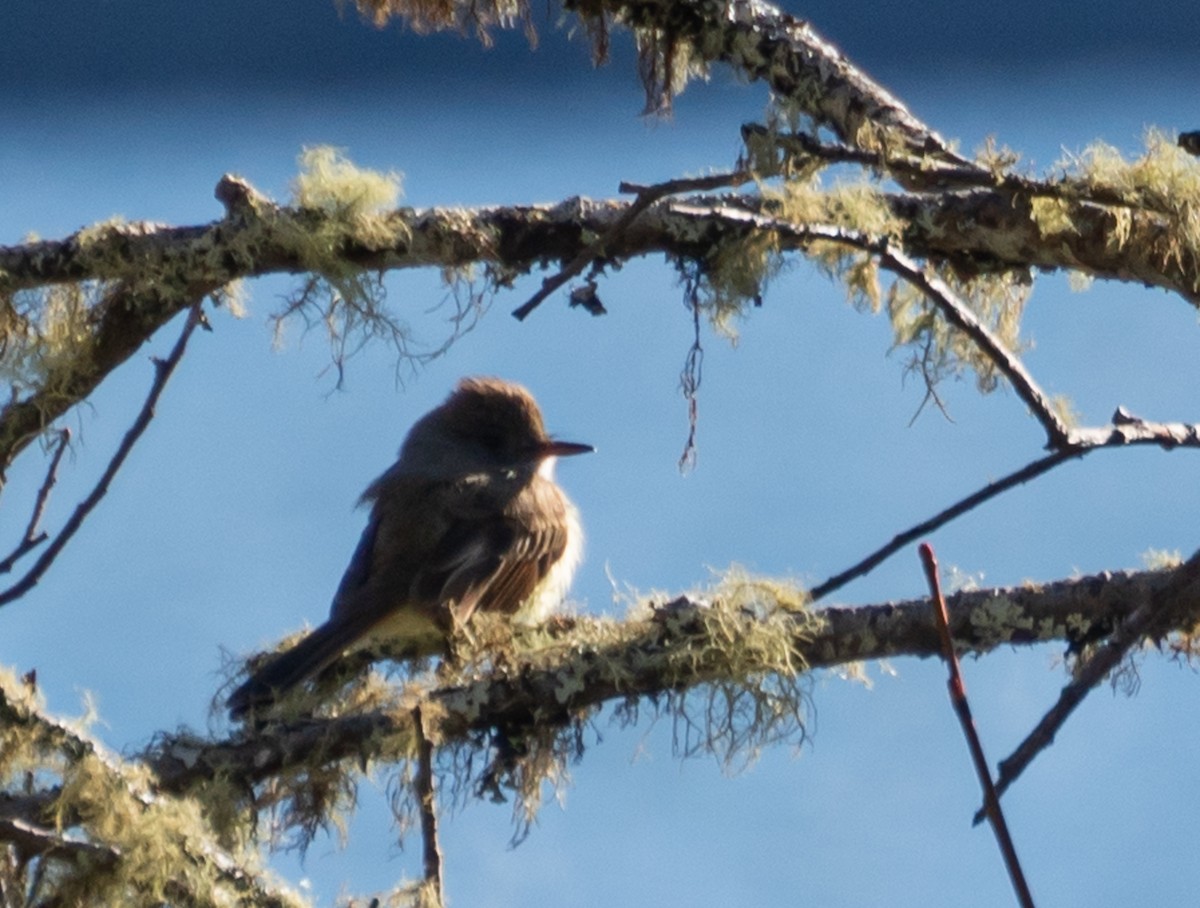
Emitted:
pixel 235 516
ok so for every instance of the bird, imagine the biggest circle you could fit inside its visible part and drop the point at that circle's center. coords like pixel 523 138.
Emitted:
pixel 469 518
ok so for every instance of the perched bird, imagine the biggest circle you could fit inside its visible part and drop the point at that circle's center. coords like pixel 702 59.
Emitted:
pixel 468 518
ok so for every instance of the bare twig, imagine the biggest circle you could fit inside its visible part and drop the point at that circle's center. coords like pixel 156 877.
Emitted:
pixel 1123 432
pixel 1146 620
pixel 646 196
pixel 163 370
pixel 960 315
pixel 960 507
pixel 958 696
pixel 427 809
pixel 33 537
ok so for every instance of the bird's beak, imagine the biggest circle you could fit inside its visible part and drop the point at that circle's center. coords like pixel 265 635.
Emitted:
pixel 563 449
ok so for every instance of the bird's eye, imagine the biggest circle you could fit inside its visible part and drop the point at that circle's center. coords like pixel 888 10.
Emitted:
pixel 490 441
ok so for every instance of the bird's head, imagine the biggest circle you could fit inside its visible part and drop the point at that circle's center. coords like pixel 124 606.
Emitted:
pixel 486 426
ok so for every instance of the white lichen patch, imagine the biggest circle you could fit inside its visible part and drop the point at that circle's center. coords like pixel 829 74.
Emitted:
pixel 1161 559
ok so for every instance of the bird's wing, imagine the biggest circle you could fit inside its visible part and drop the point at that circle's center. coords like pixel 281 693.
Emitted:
pixel 494 565
pixel 358 571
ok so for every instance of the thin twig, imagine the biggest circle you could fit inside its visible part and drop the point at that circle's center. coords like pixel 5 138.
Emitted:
pixel 646 196
pixel 1135 628
pixel 956 311
pixel 960 507
pixel 163 369
pixel 33 538
pixel 958 696
pixel 1124 431
pixel 427 808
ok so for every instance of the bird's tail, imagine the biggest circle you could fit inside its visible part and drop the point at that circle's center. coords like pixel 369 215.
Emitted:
pixel 292 667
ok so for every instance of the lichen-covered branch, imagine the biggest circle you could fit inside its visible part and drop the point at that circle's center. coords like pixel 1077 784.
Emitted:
pixel 672 649
pixel 1153 619
pixel 144 274
pixel 124 318
pixel 105 834
pixel 971 229
pixel 523 704
pixel 974 228
pixel 806 73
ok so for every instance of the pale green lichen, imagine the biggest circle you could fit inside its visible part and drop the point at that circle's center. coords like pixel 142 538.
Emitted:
pixel 1048 629
pixel 46 336
pixel 737 271
pixel 339 207
pixel 1052 216
pixel 1163 180
pixel 1164 177
pixel 124 842
pixel 999 159
pixel 1077 624
pixel 996 620
pixel 329 182
pixel 743 636
pixel 938 350
pixel 735 275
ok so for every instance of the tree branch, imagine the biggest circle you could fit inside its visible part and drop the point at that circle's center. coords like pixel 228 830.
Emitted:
pixel 928 176
pixel 804 71
pixel 958 697
pixel 960 315
pixel 163 370
pixel 978 229
pixel 962 506
pixel 952 307
pixel 646 196
pixel 96 787
pixel 1150 620
pixel 600 661
pixel 426 795
pixel 1125 430
pixel 33 538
